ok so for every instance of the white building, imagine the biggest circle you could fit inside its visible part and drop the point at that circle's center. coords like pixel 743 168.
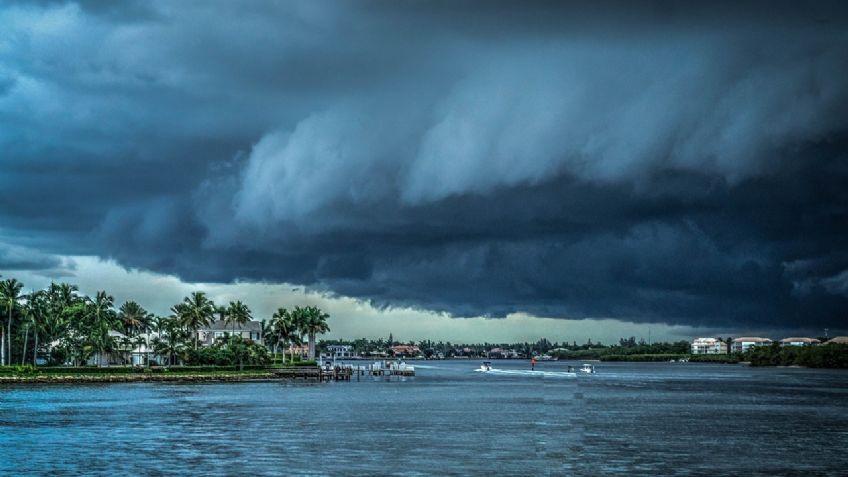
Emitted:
pixel 340 352
pixel 794 341
pixel 709 346
pixel 220 329
pixel 740 345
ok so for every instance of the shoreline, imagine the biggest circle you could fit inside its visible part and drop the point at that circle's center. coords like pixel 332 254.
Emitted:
pixel 132 378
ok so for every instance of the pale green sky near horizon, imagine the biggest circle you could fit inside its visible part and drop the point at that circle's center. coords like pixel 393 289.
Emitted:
pixel 349 318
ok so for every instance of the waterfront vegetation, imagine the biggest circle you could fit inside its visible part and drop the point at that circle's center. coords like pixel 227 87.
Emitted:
pixel 60 332
pixel 627 349
pixel 59 326
pixel 823 356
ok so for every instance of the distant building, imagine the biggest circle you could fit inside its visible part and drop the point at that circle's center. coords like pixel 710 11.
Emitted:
pixel 207 335
pixel 838 340
pixel 298 350
pixel 740 345
pixel 799 342
pixel 709 346
pixel 340 352
pixel 406 350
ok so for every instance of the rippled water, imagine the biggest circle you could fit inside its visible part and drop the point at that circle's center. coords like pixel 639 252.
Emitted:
pixel 636 419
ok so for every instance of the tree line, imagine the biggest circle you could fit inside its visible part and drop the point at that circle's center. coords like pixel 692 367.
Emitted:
pixel 61 325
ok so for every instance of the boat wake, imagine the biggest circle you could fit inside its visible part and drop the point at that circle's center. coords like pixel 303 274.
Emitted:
pixel 527 372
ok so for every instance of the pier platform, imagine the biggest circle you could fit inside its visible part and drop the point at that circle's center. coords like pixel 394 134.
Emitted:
pixel 341 373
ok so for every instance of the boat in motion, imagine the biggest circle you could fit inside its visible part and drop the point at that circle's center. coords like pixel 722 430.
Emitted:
pixel 585 369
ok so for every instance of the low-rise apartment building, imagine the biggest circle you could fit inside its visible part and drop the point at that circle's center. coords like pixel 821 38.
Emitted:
pixel 708 346
pixel 740 345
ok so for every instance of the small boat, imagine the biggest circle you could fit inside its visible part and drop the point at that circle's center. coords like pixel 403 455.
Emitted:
pixel 486 366
pixel 586 369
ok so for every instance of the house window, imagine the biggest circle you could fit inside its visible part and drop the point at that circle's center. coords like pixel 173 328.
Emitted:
pixel 219 334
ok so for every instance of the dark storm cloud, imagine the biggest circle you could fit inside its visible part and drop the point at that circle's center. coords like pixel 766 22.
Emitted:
pixel 13 257
pixel 659 162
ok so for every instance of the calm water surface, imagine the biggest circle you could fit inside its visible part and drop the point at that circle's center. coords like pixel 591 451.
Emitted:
pixel 635 419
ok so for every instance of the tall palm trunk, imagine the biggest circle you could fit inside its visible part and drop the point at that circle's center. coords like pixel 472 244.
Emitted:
pixel 35 350
pixel 9 334
pixel 2 346
pixel 312 346
pixel 26 338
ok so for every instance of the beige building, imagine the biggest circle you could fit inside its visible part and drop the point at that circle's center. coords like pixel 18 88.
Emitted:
pixel 795 341
pixel 838 340
pixel 708 346
pixel 740 345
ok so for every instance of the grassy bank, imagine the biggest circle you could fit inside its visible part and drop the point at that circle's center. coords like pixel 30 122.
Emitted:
pixel 643 357
pixel 695 358
pixel 716 358
pixel 127 378
pixel 62 374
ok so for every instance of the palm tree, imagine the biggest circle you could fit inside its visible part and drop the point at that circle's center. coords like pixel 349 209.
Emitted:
pixel 194 312
pixel 237 313
pixel 103 319
pixel 299 318
pixel 158 323
pixel 10 293
pixel 172 344
pixel 38 306
pixel 134 317
pixel 314 323
pixel 283 329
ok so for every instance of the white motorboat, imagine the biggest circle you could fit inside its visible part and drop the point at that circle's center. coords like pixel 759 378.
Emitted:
pixel 486 366
pixel 585 369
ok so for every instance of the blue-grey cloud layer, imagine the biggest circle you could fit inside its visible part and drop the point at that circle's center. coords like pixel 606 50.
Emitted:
pixel 651 162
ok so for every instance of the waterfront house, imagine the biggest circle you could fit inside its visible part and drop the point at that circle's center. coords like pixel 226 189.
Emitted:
pixel 298 350
pixel 218 329
pixel 838 340
pixel 740 345
pixel 340 352
pixel 405 351
pixel 126 351
pixel 799 341
pixel 708 346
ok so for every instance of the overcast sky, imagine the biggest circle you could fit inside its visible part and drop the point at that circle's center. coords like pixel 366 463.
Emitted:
pixel 461 169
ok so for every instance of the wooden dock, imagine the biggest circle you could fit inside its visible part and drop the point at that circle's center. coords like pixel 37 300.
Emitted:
pixel 313 373
pixel 338 373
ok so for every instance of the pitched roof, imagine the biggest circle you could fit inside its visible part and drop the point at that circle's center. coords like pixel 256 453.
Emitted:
pixel 221 325
pixel 753 339
pixel 799 340
pixel 838 340
pixel 707 340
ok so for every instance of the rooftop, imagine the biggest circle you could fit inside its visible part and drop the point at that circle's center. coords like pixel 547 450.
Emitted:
pixel 838 340
pixel 799 340
pixel 753 339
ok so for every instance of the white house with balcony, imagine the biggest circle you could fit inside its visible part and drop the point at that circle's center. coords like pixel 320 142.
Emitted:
pixel 340 352
pixel 740 345
pixel 708 346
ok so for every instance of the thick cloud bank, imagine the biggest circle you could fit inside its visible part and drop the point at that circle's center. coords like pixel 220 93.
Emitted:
pixel 658 162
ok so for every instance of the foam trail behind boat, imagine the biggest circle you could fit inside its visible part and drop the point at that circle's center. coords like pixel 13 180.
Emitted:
pixel 527 372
